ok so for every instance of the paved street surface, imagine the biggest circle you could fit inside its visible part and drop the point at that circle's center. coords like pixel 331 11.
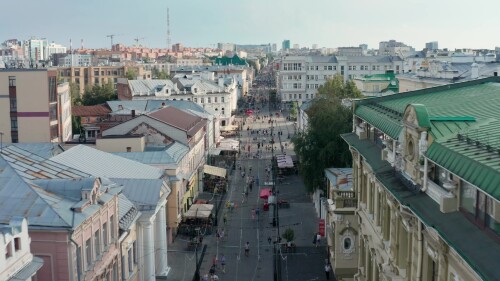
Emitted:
pixel 306 262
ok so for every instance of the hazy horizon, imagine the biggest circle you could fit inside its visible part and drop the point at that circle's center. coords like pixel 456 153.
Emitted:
pixel 197 23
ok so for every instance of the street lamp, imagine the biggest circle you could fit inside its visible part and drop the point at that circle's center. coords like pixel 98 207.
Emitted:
pixel 197 271
pixel 1 142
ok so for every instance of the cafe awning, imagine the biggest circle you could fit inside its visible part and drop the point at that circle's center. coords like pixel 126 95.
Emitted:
pixel 200 211
pixel 265 193
pixel 216 171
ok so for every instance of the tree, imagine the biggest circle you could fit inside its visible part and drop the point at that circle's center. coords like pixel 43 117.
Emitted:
pixel 99 94
pixel 289 234
pixel 131 74
pixel 157 74
pixel 74 92
pixel 321 146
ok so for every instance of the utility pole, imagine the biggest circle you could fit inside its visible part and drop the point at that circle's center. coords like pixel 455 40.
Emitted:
pixel 277 256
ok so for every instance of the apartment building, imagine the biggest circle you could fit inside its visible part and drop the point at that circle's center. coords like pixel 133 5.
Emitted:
pixel 299 77
pixel 33 107
pixel 16 260
pixel 426 176
pixel 88 76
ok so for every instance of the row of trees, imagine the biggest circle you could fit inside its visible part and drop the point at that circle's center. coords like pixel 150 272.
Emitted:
pixel 321 146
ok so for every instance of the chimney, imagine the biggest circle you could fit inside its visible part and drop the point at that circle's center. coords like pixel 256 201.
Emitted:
pixel 133 113
pixel 474 71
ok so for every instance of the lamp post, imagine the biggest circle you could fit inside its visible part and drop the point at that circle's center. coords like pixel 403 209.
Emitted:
pixel 197 271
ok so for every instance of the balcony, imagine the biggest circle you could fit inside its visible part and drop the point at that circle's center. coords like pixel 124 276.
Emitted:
pixel 445 198
pixel 345 199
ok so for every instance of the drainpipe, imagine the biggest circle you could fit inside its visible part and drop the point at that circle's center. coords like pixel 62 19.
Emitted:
pixel 424 184
pixel 359 182
pixel 76 246
pixel 420 251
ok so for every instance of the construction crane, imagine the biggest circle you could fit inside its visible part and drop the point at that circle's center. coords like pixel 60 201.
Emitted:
pixel 111 36
pixel 137 40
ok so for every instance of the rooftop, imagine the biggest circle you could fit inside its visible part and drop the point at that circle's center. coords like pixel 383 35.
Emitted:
pixel 474 245
pixel 463 120
pixel 180 119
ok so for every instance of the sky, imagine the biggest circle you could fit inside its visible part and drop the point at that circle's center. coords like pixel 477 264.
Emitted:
pixel 202 23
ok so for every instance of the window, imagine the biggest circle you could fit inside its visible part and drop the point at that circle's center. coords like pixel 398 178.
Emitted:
pixel 131 259
pixel 79 260
pixel 17 244
pixel 215 99
pixel 97 243
pixel 307 96
pixel 129 149
pixel 330 67
pixel 112 227
pixel 196 100
pixel 202 100
pixel 300 96
pixel 347 243
pixel 12 81
pixel 373 67
pixel 88 252
pixel 8 250
pixel 222 99
pixel 136 259
pixel 325 67
pixel 13 123
pixel 317 67
pixel 209 100
pixel 105 228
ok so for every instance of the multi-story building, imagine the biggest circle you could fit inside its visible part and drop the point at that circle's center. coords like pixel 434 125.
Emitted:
pixel 431 46
pixel 172 140
pixel 377 84
pixel 72 216
pixel 351 51
pixel 33 108
pixel 145 187
pixel 54 48
pixel 88 76
pixel 341 223
pixel 394 48
pixel 300 76
pixel 426 177
pixel 285 45
pixel 16 260
pixel 36 50
pixel 220 99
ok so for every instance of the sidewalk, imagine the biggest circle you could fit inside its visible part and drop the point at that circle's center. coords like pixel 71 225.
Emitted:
pixel 305 263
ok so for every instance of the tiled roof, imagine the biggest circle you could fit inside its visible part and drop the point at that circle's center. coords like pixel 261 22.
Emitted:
pixel 91 110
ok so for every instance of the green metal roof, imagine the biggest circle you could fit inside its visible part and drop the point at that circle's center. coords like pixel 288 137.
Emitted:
pixel 422 115
pixel 235 60
pixel 449 110
pixel 475 246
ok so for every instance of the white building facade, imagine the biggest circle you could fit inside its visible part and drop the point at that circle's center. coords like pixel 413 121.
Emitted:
pixel 300 77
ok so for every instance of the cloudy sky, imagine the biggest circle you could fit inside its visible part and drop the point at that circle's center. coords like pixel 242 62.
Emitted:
pixel 197 23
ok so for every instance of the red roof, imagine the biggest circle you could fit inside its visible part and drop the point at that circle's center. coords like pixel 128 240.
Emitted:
pixel 187 122
pixel 90 110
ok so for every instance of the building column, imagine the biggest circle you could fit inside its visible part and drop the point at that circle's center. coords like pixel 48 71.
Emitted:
pixel 149 251
pixel 161 245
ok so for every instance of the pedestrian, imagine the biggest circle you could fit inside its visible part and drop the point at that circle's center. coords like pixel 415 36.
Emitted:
pixel 318 239
pixel 327 271
pixel 269 239
pixel 223 263
pixel 257 212
pixel 247 249
pixel 224 218
pixel 221 235
pixel 205 278
pixel 214 261
pixel 253 214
